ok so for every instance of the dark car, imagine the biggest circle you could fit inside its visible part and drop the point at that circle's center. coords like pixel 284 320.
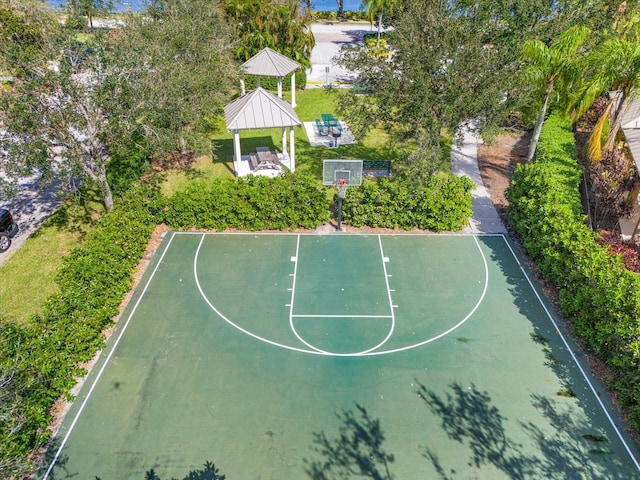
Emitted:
pixel 8 229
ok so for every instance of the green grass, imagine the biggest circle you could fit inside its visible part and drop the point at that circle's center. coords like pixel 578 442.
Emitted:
pixel 311 103
pixel 28 277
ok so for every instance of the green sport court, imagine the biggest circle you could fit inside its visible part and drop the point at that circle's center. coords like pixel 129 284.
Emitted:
pixel 307 356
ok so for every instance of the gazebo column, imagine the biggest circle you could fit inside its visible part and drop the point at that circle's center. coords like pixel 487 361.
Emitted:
pixel 284 139
pixel 293 89
pixel 237 156
pixel 242 90
pixel 279 87
pixel 257 81
pixel 292 155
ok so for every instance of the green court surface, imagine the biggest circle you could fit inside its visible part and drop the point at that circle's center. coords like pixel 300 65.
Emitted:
pixel 282 356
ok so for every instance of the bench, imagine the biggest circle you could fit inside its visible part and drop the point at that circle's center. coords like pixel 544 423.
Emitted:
pixel 254 161
pixel 322 129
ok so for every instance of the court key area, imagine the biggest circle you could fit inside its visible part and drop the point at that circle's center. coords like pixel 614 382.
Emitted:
pixel 306 356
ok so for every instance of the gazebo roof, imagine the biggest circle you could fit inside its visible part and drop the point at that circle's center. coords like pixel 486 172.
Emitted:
pixel 259 109
pixel 270 63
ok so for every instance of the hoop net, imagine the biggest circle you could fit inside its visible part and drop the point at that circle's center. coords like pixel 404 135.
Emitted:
pixel 342 185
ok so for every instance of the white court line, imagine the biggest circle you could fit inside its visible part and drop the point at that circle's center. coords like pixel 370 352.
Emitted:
pixel 575 359
pixel 341 316
pixel 315 351
pixel 293 294
pixel 106 362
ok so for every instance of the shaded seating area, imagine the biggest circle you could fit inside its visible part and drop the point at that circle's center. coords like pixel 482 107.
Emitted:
pixel 264 158
pixel 257 110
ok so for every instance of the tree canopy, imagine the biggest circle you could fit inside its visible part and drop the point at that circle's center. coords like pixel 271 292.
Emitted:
pixel 147 85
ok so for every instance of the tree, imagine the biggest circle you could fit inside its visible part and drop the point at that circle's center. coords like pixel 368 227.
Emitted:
pixel 443 72
pixel 89 8
pixel 547 66
pixel 284 27
pixel 340 8
pixel 377 8
pixel 613 65
pixel 151 83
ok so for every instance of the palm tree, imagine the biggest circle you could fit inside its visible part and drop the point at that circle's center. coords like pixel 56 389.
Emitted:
pixel 549 66
pixel 614 65
pixel 376 8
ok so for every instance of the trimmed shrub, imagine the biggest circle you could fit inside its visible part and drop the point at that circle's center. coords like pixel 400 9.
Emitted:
pixel 443 204
pixel 253 203
pixel 597 293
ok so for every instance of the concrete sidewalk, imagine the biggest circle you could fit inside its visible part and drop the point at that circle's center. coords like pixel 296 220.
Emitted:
pixel 464 161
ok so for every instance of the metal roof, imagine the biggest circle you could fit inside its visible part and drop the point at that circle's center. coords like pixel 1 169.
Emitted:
pixel 259 109
pixel 270 63
pixel 631 130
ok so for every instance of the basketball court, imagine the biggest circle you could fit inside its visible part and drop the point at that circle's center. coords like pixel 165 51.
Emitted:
pixel 285 355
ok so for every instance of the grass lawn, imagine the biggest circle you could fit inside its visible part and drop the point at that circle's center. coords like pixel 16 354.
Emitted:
pixel 311 104
pixel 28 276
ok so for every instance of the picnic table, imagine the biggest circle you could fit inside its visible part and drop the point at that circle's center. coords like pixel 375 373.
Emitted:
pixel 329 120
pixel 265 158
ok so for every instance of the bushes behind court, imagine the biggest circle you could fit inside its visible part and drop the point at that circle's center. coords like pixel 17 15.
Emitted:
pixel 253 203
pixel 442 204
pixel 598 295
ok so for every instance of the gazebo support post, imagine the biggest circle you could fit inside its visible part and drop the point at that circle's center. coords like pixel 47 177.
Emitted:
pixel 293 89
pixel 237 156
pixel 279 87
pixel 292 155
pixel 242 88
pixel 284 139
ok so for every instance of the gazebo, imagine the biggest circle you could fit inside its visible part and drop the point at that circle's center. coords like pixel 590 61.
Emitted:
pixel 269 63
pixel 261 109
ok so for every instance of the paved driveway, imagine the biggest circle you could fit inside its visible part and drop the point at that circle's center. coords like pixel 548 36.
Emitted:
pixel 30 208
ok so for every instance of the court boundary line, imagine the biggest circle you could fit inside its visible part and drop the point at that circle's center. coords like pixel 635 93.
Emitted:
pixel 391 329
pixel 105 363
pixel 574 357
pixel 381 352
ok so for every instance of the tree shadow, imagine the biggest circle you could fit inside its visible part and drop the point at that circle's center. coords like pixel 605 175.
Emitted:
pixel 468 417
pixel 570 447
pixel 356 451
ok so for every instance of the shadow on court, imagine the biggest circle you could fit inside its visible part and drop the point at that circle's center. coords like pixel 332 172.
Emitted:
pixel 356 451
pixel 469 418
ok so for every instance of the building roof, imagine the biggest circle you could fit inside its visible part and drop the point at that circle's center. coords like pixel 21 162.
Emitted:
pixel 270 63
pixel 259 109
pixel 631 130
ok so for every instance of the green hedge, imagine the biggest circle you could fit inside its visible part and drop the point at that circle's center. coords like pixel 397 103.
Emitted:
pixel 347 15
pixel 598 294
pixel 443 204
pixel 253 203
pixel 44 357
pixel 271 83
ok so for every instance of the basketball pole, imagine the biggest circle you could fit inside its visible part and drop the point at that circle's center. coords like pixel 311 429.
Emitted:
pixel 342 186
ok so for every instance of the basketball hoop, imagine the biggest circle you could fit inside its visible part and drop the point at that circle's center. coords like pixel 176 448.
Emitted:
pixel 342 185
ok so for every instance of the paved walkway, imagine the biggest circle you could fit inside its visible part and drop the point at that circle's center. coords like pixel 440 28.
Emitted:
pixel 464 161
